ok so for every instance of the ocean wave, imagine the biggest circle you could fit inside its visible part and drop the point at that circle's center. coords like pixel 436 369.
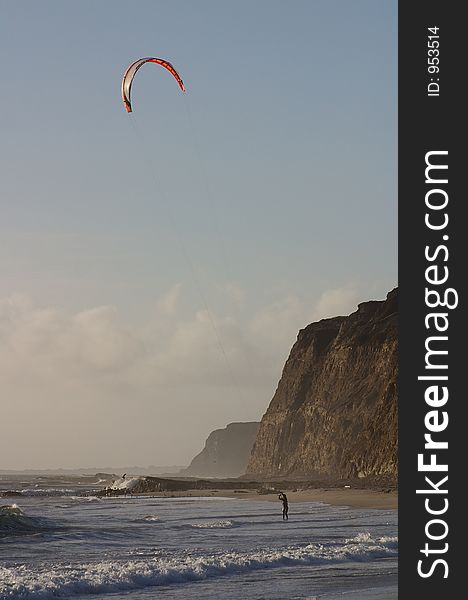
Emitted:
pixel 13 521
pixel 64 581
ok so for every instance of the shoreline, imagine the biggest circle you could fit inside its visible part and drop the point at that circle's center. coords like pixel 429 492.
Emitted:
pixel 354 498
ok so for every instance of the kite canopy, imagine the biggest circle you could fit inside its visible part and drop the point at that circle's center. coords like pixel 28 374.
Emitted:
pixel 131 72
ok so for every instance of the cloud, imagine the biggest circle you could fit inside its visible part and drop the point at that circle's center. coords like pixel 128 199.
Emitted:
pixel 44 342
pixel 338 301
pixel 88 387
pixel 234 294
pixel 203 347
pixel 168 303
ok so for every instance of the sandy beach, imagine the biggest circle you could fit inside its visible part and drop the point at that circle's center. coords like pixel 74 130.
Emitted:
pixel 355 498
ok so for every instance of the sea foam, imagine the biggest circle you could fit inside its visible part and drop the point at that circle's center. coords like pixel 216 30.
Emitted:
pixel 223 524
pixel 126 484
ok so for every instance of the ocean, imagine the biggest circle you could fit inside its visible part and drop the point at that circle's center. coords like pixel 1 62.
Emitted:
pixel 56 543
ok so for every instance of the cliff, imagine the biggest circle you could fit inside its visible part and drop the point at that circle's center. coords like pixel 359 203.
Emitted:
pixel 334 413
pixel 226 452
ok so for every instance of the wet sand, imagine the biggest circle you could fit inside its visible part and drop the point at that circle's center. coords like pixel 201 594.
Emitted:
pixel 338 497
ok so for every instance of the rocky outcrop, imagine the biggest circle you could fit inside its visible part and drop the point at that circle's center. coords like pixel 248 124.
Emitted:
pixel 226 452
pixel 146 485
pixel 334 413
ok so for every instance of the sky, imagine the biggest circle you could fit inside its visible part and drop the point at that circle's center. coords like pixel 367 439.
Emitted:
pixel 156 267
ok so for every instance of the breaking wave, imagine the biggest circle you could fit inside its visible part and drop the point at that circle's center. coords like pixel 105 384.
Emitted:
pixel 390 542
pixel 63 581
pixel 127 484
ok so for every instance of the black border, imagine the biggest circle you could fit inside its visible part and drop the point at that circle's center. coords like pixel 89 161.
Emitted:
pixel 426 124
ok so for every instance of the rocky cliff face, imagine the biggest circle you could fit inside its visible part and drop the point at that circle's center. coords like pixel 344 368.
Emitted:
pixel 334 413
pixel 226 452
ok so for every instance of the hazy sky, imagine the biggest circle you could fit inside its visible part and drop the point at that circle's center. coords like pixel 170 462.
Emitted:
pixel 155 268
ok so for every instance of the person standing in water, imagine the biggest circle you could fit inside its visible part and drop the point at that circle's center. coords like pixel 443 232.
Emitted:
pixel 284 500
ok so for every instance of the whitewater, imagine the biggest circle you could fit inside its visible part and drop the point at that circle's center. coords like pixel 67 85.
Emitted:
pixel 56 543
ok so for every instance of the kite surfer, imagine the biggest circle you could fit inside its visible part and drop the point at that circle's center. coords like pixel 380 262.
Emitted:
pixel 284 500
